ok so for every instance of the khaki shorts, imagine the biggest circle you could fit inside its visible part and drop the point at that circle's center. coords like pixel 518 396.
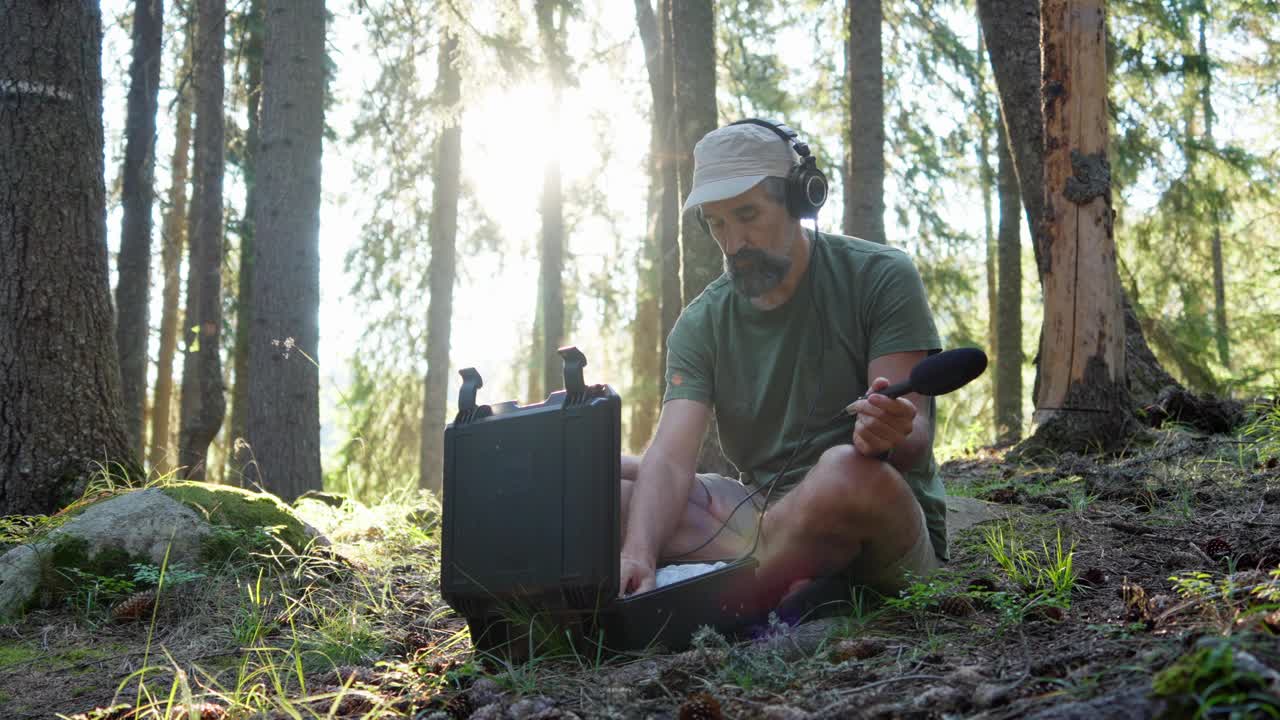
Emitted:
pixel 917 562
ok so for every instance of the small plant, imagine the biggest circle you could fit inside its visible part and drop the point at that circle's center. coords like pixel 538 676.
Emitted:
pixel 148 575
pixel 1051 573
pixel 90 592
pixel 1264 431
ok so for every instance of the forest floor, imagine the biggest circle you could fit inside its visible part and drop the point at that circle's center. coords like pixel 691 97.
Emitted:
pixel 1138 585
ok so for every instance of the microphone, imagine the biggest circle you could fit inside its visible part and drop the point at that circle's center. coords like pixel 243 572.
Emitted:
pixel 940 374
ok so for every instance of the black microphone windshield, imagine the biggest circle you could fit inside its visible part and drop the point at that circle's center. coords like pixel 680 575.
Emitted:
pixel 947 371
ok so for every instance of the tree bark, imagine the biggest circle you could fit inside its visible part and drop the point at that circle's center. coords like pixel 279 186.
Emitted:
pixel 1082 400
pixel 670 218
pixel 203 404
pixel 864 77
pixel 172 238
pixel 648 358
pixel 61 416
pixel 694 82
pixel 1221 335
pixel 551 207
pixel 1009 358
pixel 987 181
pixel 442 268
pixel 239 458
pixel 283 424
pixel 133 284
pixel 1012 32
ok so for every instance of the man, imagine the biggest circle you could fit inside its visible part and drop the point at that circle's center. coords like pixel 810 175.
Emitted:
pixel 797 328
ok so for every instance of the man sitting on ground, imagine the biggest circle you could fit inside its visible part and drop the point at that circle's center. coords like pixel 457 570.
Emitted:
pixel 800 324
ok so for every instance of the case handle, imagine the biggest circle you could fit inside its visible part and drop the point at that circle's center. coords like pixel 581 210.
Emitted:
pixel 471 383
pixel 574 362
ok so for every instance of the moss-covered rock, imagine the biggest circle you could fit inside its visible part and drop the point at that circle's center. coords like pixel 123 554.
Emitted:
pixel 243 510
pixel 187 522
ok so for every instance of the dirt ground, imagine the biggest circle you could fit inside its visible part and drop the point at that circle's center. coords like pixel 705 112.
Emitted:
pixel 1173 610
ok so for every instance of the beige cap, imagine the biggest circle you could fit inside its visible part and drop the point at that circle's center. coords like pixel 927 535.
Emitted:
pixel 729 161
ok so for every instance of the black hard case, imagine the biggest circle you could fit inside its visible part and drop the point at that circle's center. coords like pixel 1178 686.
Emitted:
pixel 531 530
pixel 531 499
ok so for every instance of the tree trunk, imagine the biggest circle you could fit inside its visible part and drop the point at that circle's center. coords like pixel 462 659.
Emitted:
pixel 551 273
pixel 441 270
pixel 648 359
pixel 1082 400
pixel 238 458
pixel 1008 369
pixel 987 181
pixel 864 77
pixel 1221 336
pixel 669 217
pixel 203 404
pixel 133 285
pixel 283 424
pixel 61 416
pixel 1012 32
pixel 173 239
pixel 694 81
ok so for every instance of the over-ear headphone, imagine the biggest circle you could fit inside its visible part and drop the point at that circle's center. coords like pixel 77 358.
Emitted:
pixel 806 185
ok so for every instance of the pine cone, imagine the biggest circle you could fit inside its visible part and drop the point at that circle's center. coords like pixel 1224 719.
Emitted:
pixel 1272 621
pixel 860 649
pixel 137 605
pixel 700 706
pixel 957 606
pixel 459 707
pixel 1135 600
pixel 1217 548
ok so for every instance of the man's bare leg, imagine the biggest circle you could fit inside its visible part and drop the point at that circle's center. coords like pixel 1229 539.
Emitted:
pixel 849 511
pixel 705 515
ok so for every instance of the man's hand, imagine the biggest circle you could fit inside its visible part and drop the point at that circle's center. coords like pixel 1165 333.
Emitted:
pixel 883 422
pixel 637 576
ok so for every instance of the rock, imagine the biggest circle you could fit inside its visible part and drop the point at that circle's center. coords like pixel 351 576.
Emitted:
pixel 188 522
pixel 19 580
pixel 965 512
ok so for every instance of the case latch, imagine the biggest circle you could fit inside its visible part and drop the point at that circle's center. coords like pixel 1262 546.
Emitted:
pixel 574 362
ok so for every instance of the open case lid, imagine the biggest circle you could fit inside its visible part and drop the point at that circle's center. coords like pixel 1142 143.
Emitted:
pixel 532 497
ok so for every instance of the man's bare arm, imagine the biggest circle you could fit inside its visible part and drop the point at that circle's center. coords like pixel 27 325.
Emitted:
pixel 662 489
pixel 896 367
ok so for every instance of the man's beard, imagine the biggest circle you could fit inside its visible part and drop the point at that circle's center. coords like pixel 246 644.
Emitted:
pixel 755 272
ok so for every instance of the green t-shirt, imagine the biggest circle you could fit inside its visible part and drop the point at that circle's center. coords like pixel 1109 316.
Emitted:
pixel 758 369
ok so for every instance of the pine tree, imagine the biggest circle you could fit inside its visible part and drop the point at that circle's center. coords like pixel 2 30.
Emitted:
pixel 283 423
pixel 59 374
pixel 864 73
pixel 252 28
pixel 203 403
pixel 173 235
pixel 133 288
pixel 442 270
pixel 1082 400
pixel 552 16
